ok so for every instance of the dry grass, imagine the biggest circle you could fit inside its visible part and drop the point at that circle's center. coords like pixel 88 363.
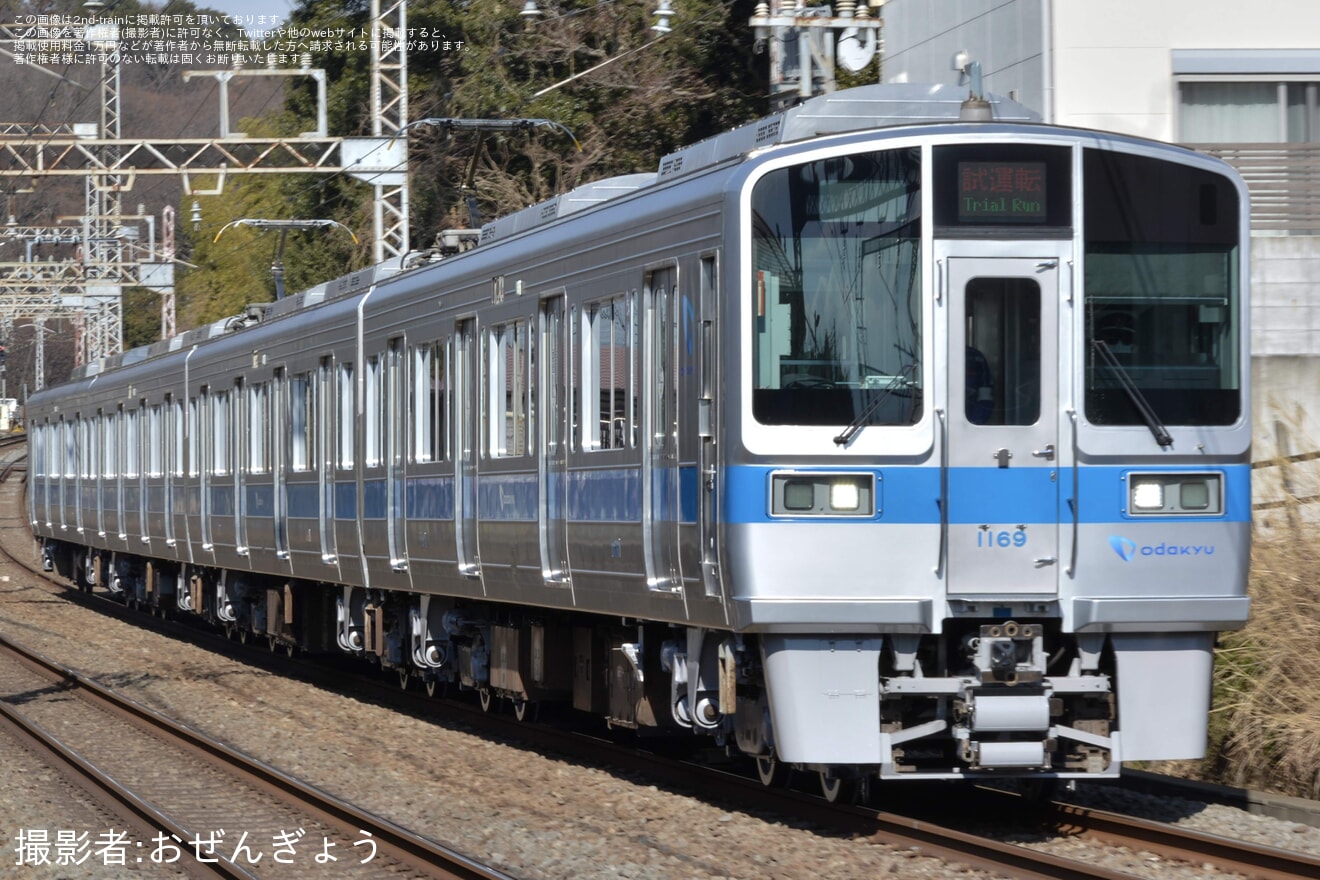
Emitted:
pixel 1265 725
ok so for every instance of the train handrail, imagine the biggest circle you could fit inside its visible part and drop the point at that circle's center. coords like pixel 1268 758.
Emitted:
pixel 1075 502
pixel 943 501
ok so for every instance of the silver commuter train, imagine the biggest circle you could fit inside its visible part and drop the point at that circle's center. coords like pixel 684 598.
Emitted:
pixel 913 450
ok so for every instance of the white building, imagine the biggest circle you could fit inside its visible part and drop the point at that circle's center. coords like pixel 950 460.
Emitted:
pixel 1239 80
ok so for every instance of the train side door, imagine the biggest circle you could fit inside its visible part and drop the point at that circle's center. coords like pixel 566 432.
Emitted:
pixel 170 451
pixel 465 447
pixel 708 418
pixel 1003 426
pixel 325 457
pixel 395 431
pixel 553 427
pixel 660 501
pixel 204 448
pixel 244 423
pixel 281 441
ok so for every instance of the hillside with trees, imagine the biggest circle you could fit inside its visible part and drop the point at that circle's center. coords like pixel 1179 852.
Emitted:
pixel 482 61
pixel 627 95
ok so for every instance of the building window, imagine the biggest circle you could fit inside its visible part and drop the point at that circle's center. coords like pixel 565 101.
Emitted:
pixel 1249 112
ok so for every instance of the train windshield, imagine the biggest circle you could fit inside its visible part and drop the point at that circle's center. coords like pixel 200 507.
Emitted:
pixel 836 254
pixel 1161 280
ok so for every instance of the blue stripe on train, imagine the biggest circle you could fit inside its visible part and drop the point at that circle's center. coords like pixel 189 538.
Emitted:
pixel 987 495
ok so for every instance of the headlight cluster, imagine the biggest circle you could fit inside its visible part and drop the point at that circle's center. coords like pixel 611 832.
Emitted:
pixel 821 494
pixel 1164 494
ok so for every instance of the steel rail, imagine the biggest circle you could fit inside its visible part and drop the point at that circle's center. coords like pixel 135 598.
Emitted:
pixel 1184 844
pixel 412 850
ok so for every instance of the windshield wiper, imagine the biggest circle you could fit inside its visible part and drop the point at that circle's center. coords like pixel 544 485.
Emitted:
pixel 1157 429
pixel 898 381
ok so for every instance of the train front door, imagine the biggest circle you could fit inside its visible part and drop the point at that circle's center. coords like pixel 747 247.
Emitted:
pixel 1003 424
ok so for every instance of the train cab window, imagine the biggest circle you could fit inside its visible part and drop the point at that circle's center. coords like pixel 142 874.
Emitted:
pixel 612 352
pixel 1161 291
pixel 836 308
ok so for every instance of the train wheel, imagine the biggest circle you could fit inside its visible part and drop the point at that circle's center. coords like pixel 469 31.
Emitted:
pixel 242 635
pixel 435 686
pixel 524 709
pixel 771 771
pixel 836 789
pixel 230 631
pixel 404 675
pixel 483 697
pixel 289 648
pixel 273 643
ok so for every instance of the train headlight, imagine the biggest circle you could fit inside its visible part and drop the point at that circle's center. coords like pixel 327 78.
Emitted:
pixel 1175 494
pixel 1147 495
pixel 845 495
pixel 822 494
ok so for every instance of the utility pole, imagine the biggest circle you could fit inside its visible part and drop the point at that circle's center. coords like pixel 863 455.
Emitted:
pixel 89 287
pixel 806 42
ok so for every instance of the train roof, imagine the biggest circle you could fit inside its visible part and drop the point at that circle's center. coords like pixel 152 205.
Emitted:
pixel 858 109
pixel 864 108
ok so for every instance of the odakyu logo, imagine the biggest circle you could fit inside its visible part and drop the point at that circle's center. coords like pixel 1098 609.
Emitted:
pixel 1128 549
pixel 1123 547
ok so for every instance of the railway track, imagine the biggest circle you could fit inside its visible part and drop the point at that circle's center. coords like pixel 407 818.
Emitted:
pixel 924 831
pixel 1171 842
pixel 212 806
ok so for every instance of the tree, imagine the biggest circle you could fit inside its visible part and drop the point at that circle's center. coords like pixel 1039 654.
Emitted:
pixel 627 95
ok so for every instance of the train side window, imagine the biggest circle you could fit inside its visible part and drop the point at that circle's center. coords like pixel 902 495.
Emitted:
pixel 574 382
pixel 345 454
pixel 258 428
pixel 300 421
pixel 132 443
pixel 394 393
pixel 442 399
pixel 179 437
pixel 421 405
pixel 155 443
pixel 83 450
pixel 37 462
pixel 194 429
pixel 109 446
pixel 371 451
pixel 509 395
pixel 220 433
pixel 428 402
pixel 609 384
pixel 241 426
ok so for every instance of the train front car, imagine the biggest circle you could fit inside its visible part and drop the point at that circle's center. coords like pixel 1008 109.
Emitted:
pixel 987 477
